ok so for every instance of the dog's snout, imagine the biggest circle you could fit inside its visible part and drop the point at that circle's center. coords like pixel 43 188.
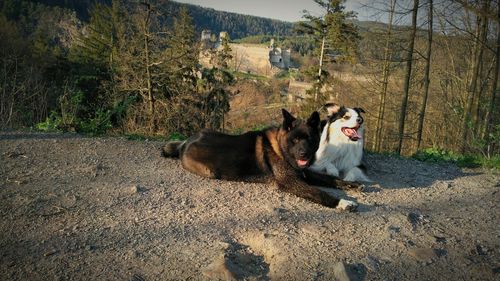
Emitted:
pixel 302 153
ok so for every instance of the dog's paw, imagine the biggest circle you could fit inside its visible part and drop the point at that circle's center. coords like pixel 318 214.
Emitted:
pixel 346 205
pixel 361 187
pixel 356 174
pixel 331 170
pixel 355 186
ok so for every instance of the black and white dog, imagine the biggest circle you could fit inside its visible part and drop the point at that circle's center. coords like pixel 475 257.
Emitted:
pixel 341 145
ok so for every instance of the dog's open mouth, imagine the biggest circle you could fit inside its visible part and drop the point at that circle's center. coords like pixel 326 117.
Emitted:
pixel 351 133
pixel 302 163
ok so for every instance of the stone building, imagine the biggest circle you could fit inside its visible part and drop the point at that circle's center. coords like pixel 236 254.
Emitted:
pixel 279 58
pixel 210 41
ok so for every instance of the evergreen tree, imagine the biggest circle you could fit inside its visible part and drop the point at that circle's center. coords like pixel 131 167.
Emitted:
pixel 224 54
pixel 99 42
pixel 341 36
pixel 183 49
pixel 336 39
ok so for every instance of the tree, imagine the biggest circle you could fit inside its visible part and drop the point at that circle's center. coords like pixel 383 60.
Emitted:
pixel 385 79
pixel 214 81
pixel 491 120
pixel 427 79
pixel 139 59
pixel 182 104
pixel 477 56
pixel 90 90
pixel 337 38
pixel 222 56
pixel 409 61
pixel 97 43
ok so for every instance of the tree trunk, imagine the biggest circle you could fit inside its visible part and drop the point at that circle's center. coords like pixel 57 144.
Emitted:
pixel 483 82
pixel 385 71
pixel 151 98
pixel 471 89
pixel 427 81
pixel 409 61
pixel 490 119
pixel 320 69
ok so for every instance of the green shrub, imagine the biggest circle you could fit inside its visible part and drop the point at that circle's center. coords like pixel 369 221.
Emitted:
pixel 51 123
pixel 97 125
pixel 177 136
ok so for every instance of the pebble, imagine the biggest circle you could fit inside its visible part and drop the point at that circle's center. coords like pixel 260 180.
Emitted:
pixel 481 250
pixel 423 254
pixel 50 252
pixel 341 272
pixel 415 219
pixel 372 263
pixel 134 189
pixel 347 205
pixel 312 229
pixel 440 239
pixel 394 229
pixel 219 269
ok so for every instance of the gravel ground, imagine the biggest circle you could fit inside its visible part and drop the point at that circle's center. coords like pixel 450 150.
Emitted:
pixel 78 208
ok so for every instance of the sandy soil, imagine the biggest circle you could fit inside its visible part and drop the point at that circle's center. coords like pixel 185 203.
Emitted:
pixel 77 208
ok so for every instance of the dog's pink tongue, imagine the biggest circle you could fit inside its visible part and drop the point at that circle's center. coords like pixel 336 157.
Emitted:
pixel 302 162
pixel 352 134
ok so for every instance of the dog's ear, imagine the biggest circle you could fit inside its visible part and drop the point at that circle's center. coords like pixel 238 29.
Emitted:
pixel 314 120
pixel 332 108
pixel 359 110
pixel 288 120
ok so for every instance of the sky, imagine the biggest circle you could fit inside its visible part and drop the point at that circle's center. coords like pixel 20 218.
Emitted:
pixel 286 10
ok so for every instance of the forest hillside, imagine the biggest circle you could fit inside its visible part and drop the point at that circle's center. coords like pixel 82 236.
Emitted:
pixel 429 86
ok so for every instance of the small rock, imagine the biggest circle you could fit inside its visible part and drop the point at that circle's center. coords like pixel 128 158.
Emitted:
pixel 415 219
pixel 346 205
pixel 50 252
pixel 481 250
pixel 134 189
pixel 342 273
pixel 313 230
pixel 440 239
pixel 394 229
pixel 137 277
pixel 224 245
pixel 219 269
pixel 372 263
pixel 423 254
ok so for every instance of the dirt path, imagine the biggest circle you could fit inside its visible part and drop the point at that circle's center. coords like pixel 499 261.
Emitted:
pixel 76 208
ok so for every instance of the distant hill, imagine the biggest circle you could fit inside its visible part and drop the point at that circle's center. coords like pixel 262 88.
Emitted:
pixel 237 25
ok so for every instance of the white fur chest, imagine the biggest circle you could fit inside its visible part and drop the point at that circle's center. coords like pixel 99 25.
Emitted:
pixel 339 151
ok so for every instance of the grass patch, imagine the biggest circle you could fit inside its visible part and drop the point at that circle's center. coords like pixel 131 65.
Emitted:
pixel 283 75
pixel 172 137
pixel 250 76
pixel 436 155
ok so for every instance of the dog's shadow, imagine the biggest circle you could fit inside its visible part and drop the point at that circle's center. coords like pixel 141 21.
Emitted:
pixel 391 172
